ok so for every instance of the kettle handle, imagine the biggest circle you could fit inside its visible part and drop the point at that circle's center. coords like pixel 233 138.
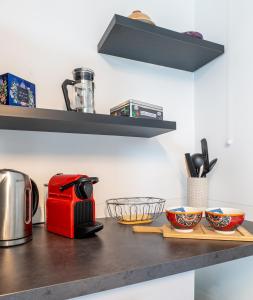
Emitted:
pixel 65 92
pixel 28 204
pixel 35 197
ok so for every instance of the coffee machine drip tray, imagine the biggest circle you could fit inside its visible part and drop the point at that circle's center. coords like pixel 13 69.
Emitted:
pixel 87 230
pixel 85 225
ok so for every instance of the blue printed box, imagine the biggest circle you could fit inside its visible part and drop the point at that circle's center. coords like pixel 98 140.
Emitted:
pixel 16 91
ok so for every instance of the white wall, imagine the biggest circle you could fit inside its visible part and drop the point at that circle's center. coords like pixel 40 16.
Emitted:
pixel 223 100
pixel 223 110
pixel 43 41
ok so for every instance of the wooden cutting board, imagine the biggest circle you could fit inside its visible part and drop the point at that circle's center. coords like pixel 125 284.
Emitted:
pixel 200 232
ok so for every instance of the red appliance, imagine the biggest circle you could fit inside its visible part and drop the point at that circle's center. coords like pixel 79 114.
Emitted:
pixel 71 207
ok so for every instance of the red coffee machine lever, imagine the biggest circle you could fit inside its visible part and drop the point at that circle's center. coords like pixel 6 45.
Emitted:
pixel 71 206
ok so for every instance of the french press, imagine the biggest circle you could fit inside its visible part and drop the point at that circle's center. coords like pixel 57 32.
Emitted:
pixel 83 91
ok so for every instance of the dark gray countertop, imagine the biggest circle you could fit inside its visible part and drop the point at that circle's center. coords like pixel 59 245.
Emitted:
pixel 54 267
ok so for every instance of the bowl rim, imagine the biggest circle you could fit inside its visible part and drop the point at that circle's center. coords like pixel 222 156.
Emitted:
pixel 135 201
pixel 196 210
pixel 239 213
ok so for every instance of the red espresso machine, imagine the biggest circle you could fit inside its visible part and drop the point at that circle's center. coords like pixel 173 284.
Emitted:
pixel 71 207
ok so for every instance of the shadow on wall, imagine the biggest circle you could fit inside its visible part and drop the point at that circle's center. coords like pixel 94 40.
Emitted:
pixel 70 145
pixel 139 69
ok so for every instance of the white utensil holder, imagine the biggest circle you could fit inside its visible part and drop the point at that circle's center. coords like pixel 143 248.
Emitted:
pixel 197 192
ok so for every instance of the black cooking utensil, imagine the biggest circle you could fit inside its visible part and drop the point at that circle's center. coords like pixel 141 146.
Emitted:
pixel 198 161
pixel 212 164
pixel 190 165
pixel 205 154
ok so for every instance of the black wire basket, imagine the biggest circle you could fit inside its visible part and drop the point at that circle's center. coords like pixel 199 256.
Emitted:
pixel 135 210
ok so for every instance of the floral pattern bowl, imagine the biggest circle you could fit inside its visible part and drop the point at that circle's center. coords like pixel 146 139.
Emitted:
pixel 224 220
pixel 184 218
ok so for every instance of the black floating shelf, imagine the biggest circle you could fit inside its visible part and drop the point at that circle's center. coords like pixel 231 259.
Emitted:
pixel 37 119
pixel 140 41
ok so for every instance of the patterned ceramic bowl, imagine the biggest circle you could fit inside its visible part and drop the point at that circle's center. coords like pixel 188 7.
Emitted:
pixel 184 218
pixel 224 220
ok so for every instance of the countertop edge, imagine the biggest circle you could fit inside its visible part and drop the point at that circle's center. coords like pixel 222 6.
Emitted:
pixel 97 284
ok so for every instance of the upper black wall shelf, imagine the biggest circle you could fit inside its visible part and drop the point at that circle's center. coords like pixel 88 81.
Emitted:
pixel 48 120
pixel 140 41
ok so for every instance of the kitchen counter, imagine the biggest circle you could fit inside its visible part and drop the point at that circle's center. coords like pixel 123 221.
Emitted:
pixel 54 267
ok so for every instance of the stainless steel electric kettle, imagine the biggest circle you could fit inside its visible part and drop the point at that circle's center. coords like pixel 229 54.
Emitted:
pixel 19 199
